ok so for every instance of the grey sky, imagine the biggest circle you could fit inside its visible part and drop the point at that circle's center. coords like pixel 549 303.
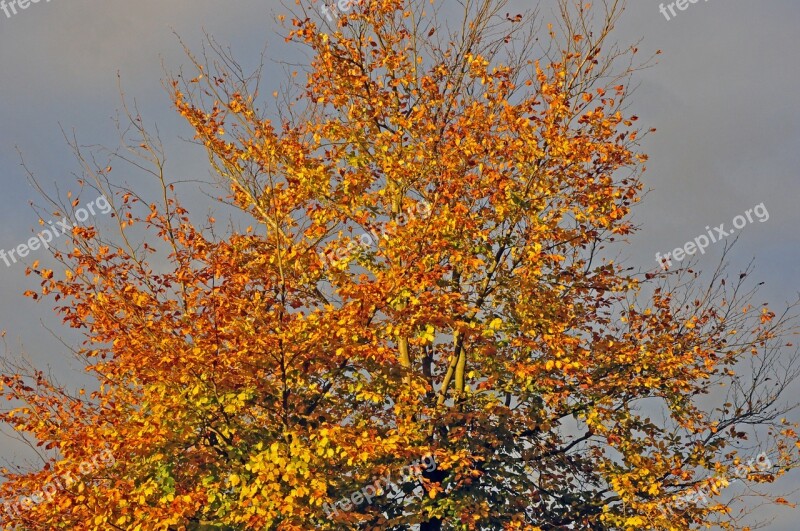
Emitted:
pixel 723 96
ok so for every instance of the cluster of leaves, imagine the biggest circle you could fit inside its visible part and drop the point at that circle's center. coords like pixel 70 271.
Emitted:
pixel 245 382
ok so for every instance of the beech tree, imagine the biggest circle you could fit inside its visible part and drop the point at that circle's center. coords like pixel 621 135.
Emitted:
pixel 420 266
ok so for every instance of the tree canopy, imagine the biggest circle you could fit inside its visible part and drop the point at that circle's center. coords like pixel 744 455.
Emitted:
pixel 420 284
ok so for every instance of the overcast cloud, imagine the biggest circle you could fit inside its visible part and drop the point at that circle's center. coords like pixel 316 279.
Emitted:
pixel 723 97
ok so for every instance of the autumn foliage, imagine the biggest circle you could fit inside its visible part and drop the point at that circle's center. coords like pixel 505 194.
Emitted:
pixel 246 381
